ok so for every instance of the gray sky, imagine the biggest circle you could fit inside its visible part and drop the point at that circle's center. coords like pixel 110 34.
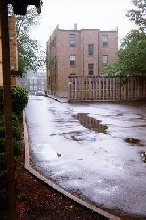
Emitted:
pixel 98 14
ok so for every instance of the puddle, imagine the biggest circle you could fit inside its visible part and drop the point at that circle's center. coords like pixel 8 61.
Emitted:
pixel 91 123
pixel 133 141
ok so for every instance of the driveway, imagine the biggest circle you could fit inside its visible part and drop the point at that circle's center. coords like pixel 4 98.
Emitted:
pixel 93 151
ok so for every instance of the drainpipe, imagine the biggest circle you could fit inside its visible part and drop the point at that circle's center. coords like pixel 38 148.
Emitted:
pixel 7 109
pixel 83 55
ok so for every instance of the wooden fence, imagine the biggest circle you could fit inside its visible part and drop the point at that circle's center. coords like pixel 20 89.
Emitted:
pixel 105 88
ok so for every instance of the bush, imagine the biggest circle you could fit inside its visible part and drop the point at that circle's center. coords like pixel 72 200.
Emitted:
pixel 1 100
pixel 19 97
pixel 2 132
pixel 2 145
pixel 16 133
pixel 16 146
pixel 15 120
pixel 3 165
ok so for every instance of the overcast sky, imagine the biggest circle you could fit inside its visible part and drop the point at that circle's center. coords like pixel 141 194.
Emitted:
pixel 96 14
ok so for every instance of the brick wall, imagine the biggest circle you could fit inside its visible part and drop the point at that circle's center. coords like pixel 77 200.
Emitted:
pixel 13 49
pixel 89 37
pixel 110 50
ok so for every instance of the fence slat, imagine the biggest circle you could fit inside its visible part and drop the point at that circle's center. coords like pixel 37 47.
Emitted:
pixel 104 88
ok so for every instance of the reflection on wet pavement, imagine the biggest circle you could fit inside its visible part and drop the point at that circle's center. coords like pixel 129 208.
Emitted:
pixel 91 123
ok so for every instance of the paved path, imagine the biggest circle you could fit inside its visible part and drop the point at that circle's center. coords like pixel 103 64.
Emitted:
pixel 100 171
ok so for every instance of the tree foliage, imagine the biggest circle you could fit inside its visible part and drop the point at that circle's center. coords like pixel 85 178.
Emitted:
pixel 50 62
pixel 132 53
pixel 138 15
pixel 131 56
pixel 29 53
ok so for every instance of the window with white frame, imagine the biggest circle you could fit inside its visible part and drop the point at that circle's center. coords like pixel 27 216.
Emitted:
pixel 105 59
pixel 72 60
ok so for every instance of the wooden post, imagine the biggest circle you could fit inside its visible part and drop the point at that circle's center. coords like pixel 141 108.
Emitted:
pixel 7 109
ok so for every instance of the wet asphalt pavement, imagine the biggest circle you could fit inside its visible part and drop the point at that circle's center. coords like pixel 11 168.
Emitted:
pixel 95 151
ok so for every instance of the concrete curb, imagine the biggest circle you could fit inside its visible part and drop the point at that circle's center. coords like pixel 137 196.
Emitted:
pixel 61 100
pixel 55 186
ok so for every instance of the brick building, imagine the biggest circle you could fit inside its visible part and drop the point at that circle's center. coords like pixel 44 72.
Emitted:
pixel 78 52
pixel 13 49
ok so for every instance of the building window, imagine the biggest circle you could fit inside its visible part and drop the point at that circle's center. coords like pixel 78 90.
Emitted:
pixel 72 60
pixel 90 49
pixel 72 40
pixel 35 87
pixel 105 40
pixel 31 81
pixel 90 69
pixel 31 87
pixel 105 59
pixel 53 43
pixel 42 81
pixel 35 81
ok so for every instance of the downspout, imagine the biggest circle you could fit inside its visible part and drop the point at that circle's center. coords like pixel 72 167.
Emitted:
pixel 98 50
pixel 83 55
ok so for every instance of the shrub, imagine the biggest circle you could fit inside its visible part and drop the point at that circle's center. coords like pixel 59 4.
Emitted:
pixel 19 98
pixel 1 100
pixel 3 165
pixel 2 132
pixel 16 133
pixel 16 146
pixel 2 145
pixel 15 120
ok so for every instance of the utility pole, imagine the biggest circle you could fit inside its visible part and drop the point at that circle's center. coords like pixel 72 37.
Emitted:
pixel 7 110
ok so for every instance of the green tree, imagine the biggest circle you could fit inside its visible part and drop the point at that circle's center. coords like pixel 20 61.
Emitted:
pixel 138 15
pixel 29 51
pixel 131 56
pixel 50 62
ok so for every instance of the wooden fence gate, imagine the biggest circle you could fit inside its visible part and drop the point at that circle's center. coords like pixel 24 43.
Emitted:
pixel 105 88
